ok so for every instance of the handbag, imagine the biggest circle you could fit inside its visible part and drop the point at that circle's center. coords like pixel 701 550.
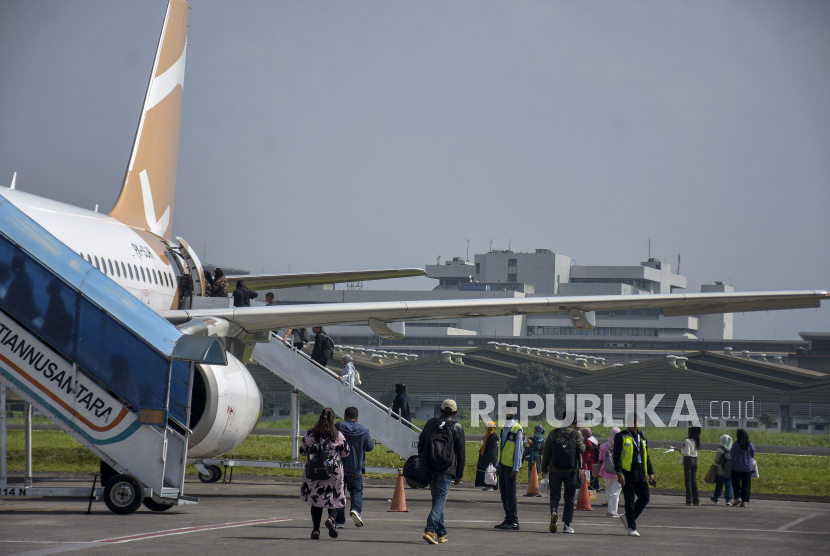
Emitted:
pixel 595 468
pixel 609 463
pixel 490 475
pixel 710 475
pixel 755 474
pixel 682 458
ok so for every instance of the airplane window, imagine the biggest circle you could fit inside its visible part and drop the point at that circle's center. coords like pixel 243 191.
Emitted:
pixel 88 258
pixel 131 272
pixel 116 268
pixel 172 281
pixel 164 276
pixel 143 279
pixel 104 265
pixel 123 270
pixel 96 263
pixel 153 270
pixel 136 272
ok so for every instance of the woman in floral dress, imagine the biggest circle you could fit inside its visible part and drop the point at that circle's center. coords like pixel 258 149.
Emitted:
pixel 329 494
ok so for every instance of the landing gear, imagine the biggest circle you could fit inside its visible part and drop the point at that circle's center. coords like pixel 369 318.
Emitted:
pixel 123 494
pixel 154 506
pixel 214 474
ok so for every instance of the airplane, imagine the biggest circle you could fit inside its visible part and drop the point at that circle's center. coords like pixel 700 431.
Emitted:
pixel 133 246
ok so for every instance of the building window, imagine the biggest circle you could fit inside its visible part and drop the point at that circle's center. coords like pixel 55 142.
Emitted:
pixel 713 423
pixel 511 278
pixel 751 425
pixel 733 424
pixel 478 268
pixel 818 427
pixel 802 426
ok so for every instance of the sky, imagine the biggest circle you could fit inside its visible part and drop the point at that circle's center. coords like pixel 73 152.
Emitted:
pixel 353 135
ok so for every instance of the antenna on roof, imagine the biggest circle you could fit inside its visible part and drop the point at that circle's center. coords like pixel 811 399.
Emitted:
pixel 491 245
pixel 678 263
pixel 649 249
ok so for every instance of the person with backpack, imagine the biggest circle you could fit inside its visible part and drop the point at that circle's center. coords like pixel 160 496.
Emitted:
pixel 533 451
pixel 689 453
pixel 723 471
pixel 442 444
pixel 743 462
pixel 510 461
pixel 354 465
pixel 323 476
pixel 323 347
pixel 561 459
pixel 296 337
pixel 607 472
pixel 631 463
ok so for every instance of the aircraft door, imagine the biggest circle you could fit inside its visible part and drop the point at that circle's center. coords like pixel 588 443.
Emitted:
pixel 195 266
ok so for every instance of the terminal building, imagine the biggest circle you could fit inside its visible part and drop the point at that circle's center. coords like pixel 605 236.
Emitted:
pixel 543 273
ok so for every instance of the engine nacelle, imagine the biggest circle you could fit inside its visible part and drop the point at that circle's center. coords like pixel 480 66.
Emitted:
pixel 226 406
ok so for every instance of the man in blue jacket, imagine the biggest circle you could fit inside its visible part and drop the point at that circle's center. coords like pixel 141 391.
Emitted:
pixel 360 442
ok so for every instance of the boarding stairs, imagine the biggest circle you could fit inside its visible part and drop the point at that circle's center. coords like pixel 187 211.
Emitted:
pixel 103 366
pixel 323 385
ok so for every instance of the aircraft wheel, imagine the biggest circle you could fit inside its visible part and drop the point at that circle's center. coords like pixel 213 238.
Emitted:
pixel 215 473
pixel 123 494
pixel 154 506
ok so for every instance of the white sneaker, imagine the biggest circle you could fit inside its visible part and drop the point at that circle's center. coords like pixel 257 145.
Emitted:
pixel 568 529
pixel 624 522
pixel 358 521
pixel 633 533
pixel 609 514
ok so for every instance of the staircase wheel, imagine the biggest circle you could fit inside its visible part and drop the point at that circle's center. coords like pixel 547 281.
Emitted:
pixel 214 474
pixel 154 506
pixel 123 494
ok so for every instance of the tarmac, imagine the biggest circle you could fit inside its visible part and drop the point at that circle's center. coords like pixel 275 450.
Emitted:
pixel 264 515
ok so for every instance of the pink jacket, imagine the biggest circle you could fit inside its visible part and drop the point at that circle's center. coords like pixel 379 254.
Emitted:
pixel 607 451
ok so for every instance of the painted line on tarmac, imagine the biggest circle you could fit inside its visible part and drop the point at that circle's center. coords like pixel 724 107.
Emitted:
pixel 797 521
pixel 76 545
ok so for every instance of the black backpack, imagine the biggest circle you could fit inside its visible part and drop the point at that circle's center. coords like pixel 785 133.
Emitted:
pixel 564 449
pixel 539 443
pixel 319 466
pixel 328 348
pixel 440 450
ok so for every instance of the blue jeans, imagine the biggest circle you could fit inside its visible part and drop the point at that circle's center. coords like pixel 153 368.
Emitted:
pixel 439 487
pixel 355 486
pixel 719 483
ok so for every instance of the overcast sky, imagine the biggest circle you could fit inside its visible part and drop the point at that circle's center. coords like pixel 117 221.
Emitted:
pixel 348 135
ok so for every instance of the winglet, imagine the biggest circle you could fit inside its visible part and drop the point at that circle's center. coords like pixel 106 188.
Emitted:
pixel 14 180
pixel 149 188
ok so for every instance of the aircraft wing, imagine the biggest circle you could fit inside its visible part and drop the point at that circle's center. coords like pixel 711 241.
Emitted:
pixel 254 319
pixel 276 281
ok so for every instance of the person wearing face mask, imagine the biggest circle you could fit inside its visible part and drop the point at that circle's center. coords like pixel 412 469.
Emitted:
pixel 510 460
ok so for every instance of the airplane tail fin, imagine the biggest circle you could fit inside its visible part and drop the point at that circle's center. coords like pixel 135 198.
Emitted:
pixel 148 192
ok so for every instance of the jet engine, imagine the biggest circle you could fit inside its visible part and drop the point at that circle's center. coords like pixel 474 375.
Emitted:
pixel 226 405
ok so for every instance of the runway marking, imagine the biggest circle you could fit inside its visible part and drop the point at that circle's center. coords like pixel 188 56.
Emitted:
pixel 70 546
pixel 797 521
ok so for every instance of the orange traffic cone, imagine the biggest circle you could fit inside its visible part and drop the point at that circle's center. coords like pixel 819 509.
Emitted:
pixel 533 484
pixel 399 498
pixel 584 502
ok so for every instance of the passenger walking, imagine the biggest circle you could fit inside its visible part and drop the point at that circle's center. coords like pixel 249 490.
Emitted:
pixel 325 447
pixel 400 405
pixel 296 337
pixel 590 457
pixel 632 464
pixel 606 471
pixel 689 453
pixel 242 296
pixel 532 454
pixel 743 459
pixel 561 460
pixel 354 465
pixel 488 454
pixel 323 346
pixel 442 444
pixel 220 284
pixel 723 471
pixel 510 461
pixel 349 372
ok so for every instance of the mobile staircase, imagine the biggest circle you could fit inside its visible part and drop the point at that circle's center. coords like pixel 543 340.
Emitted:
pixel 103 366
pixel 323 385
